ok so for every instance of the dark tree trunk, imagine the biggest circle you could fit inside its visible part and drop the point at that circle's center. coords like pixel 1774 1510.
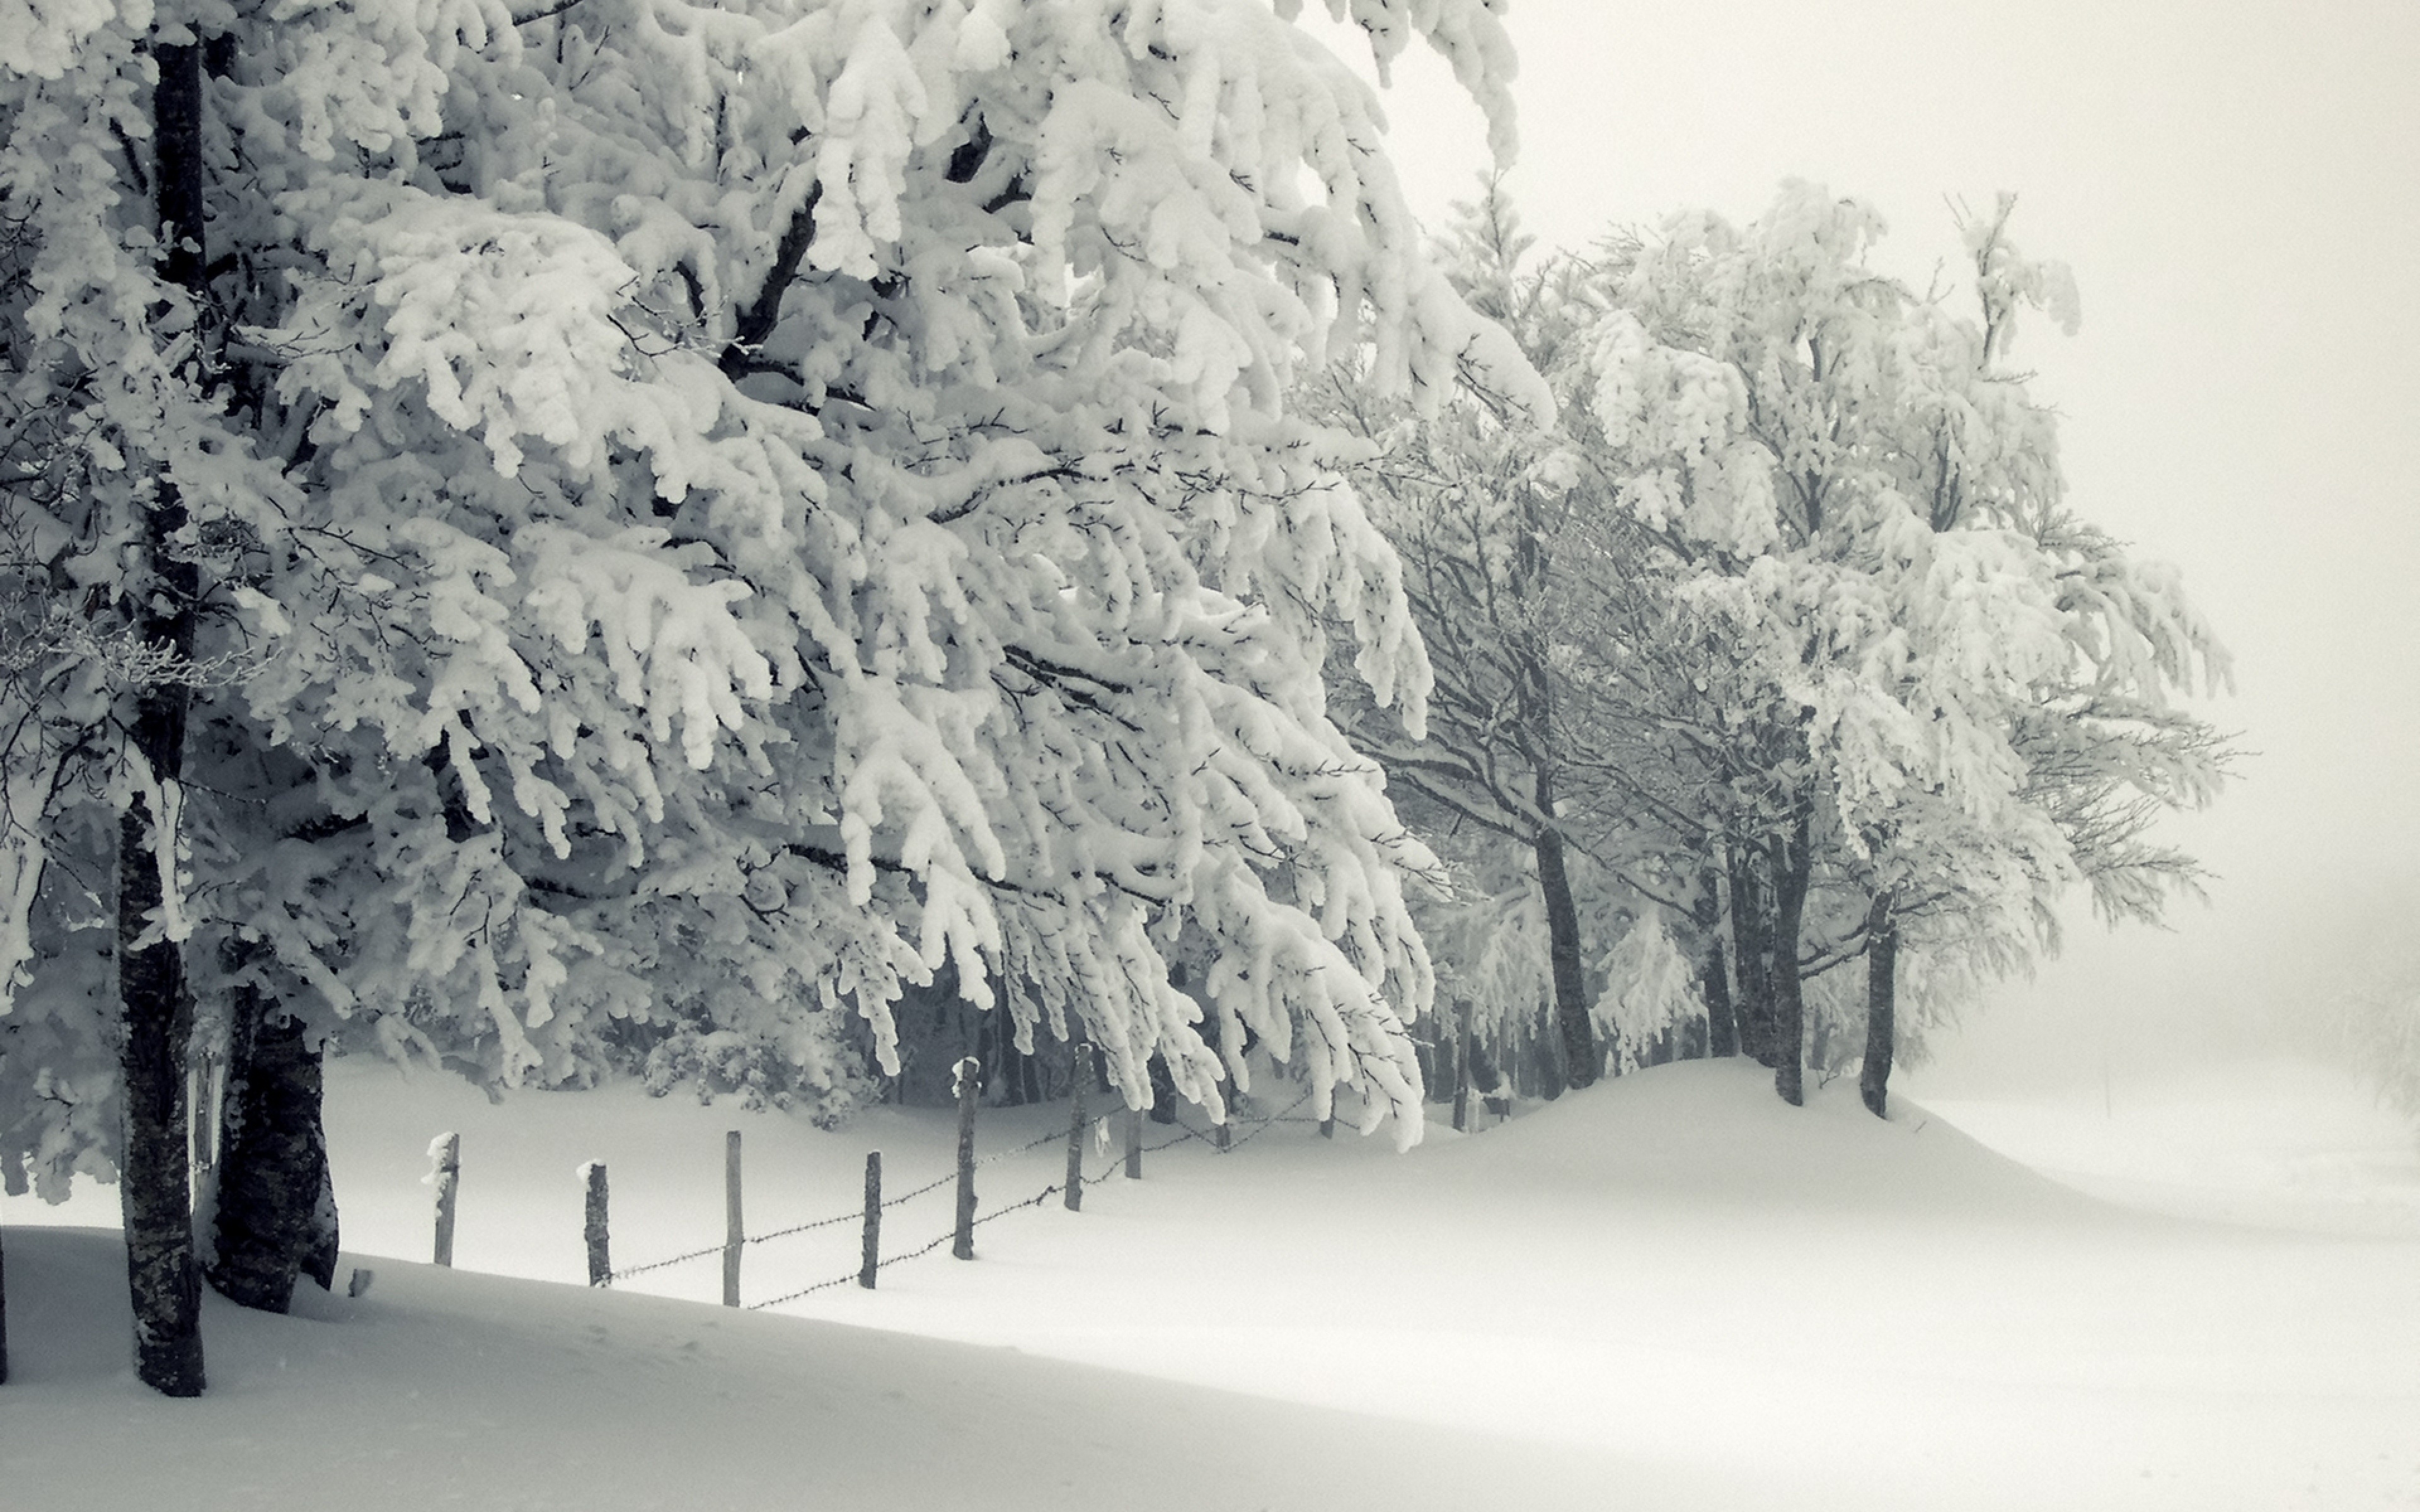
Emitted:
pixel 154 1168
pixel 4 1315
pixel 1163 1090
pixel 1722 1028
pixel 1462 1049
pixel 276 1209
pixel 1793 870
pixel 1577 1035
pixel 1882 1006
pixel 1751 941
pixel 1721 1032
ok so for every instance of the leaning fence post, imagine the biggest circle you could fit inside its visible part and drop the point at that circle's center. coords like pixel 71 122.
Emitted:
pixel 968 1075
pixel 1134 1144
pixel 447 1150
pixel 1075 1198
pixel 601 1261
pixel 873 1261
pixel 734 1232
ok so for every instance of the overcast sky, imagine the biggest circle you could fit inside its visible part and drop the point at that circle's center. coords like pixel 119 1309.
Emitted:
pixel 2236 187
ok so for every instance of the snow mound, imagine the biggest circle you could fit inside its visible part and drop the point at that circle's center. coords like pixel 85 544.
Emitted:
pixel 1713 1130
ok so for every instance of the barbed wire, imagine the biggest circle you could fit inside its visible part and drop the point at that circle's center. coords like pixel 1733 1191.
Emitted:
pixel 627 1271
pixel 857 1214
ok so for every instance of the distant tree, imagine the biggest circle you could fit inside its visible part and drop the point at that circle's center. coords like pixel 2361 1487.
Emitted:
pixel 1789 614
pixel 1852 477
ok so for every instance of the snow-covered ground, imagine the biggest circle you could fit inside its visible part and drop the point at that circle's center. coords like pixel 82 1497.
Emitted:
pixel 1671 1292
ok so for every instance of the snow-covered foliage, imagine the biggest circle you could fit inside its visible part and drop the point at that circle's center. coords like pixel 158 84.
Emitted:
pixel 2376 1027
pixel 1651 989
pixel 709 513
pixel 1785 614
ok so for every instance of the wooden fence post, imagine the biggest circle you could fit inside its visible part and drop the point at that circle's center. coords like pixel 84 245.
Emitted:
pixel 1224 1135
pixel 872 1259
pixel 968 1076
pixel 1075 1197
pixel 1134 1144
pixel 601 1261
pixel 735 1230
pixel 447 1150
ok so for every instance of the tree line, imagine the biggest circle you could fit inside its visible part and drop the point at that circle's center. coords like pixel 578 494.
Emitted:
pixel 1780 652
pixel 627 534
pixel 729 544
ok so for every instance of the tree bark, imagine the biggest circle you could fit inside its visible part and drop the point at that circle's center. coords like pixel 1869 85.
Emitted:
pixel 1882 1006
pixel 1722 1027
pixel 1163 1090
pixel 154 1169
pixel 1793 870
pixel 276 1209
pixel 4 1314
pixel 1751 953
pixel 1578 1037
pixel 1713 972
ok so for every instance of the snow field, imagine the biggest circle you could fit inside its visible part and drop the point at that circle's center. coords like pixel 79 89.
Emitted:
pixel 1668 1293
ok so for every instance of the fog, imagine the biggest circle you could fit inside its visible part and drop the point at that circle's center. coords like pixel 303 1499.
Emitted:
pixel 2232 186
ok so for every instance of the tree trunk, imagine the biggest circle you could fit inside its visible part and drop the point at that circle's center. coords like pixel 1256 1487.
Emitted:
pixel 1461 1065
pixel 276 1209
pixel 1722 1027
pixel 154 1169
pixel 1751 953
pixel 1163 1090
pixel 155 1172
pixel 1793 870
pixel 4 1315
pixel 1713 972
pixel 1882 1006
pixel 1580 1058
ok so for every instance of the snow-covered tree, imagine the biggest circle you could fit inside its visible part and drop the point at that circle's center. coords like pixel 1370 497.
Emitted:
pixel 1853 479
pixel 696 516
pixel 1789 611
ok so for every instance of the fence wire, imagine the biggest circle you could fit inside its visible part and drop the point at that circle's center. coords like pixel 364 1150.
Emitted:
pixel 857 1214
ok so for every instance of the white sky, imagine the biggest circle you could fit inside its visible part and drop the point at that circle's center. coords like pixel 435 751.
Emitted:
pixel 2237 186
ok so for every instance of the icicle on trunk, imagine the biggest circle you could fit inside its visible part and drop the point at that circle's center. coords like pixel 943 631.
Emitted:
pixel 276 1209
pixel 1793 870
pixel 1581 1062
pixel 1882 1006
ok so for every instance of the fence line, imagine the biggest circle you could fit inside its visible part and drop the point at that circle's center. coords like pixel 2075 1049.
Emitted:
pixel 858 1214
